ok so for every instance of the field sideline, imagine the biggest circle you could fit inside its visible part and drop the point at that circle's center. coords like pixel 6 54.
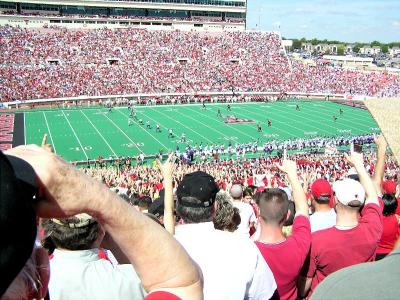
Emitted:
pixel 81 134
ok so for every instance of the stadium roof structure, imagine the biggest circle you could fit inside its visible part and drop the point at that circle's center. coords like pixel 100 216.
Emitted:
pixel 230 14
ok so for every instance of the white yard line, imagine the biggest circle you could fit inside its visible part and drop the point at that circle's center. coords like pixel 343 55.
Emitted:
pixel 205 125
pixel 347 115
pixel 210 141
pixel 278 128
pixel 123 132
pixel 166 148
pixel 48 128
pixel 95 128
pixel 308 120
pixel 80 144
pixel 24 130
pixel 232 127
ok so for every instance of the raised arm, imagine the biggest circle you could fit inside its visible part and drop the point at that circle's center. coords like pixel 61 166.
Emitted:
pixel 167 170
pixel 357 161
pixel 381 145
pixel 160 261
pixel 299 197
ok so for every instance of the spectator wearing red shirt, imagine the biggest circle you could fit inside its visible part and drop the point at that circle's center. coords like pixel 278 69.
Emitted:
pixel 390 226
pixel 285 256
pixel 354 239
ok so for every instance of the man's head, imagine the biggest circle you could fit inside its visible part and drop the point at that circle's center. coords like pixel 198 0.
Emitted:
pixel 273 204
pixel 236 192
pixel 156 208
pixel 80 232
pixel 389 204
pixel 349 194
pixel 17 217
pixel 321 191
pixel 389 187
pixel 196 196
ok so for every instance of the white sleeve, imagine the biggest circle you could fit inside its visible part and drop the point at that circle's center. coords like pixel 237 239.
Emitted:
pixel 263 285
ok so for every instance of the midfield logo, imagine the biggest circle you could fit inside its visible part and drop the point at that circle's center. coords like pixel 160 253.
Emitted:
pixel 234 120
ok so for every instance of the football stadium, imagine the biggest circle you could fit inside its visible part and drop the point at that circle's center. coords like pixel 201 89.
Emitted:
pixel 165 149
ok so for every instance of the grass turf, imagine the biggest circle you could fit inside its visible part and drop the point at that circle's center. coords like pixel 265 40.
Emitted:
pixel 79 134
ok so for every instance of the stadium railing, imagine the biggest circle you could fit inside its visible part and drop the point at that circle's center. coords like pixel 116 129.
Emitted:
pixel 179 98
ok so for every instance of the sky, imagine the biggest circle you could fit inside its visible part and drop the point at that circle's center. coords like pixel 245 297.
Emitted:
pixel 342 20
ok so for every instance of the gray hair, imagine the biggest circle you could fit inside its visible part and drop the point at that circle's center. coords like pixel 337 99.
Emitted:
pixel 227 216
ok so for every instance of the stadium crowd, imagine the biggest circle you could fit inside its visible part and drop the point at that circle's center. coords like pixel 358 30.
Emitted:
pixel 293 221
pixel 53 63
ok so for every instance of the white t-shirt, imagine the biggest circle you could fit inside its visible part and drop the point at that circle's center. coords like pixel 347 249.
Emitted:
pixel 247 216
pixel 233 267
pixel 84 275
pixel 322 220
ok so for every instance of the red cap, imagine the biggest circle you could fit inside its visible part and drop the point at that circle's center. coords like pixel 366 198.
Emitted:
pixel 389 187
pixel 161 295
pixel 321 187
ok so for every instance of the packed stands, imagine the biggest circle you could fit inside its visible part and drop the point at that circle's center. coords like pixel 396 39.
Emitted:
pixel 54 63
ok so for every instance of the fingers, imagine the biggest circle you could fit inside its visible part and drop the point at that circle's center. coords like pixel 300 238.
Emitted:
pixel 46 146
pixel 44 139
pixel 347 157
pixel 158 164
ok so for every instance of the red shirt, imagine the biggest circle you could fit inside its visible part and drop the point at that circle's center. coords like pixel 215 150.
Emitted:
pixel 286 259
pixel 389 235
pixel 333 249
pixel 161 295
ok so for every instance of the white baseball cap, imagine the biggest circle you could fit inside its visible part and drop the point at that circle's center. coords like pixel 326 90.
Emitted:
pixel 349 190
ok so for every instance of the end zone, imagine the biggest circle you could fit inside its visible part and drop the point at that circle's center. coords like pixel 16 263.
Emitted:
pixel 12 130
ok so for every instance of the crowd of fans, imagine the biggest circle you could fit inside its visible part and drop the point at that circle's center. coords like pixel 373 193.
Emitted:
pixel 145 180
pixel 292 221
pixel 273 227
pixel 57 63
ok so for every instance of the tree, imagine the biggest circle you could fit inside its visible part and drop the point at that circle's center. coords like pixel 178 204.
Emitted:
pixel 385 49
pixel 357 47
pixel 314 42
pixel 296 44
pixel 340 50
pixel 375 43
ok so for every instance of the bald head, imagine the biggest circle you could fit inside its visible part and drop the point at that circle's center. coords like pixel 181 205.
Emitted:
pixel 236 192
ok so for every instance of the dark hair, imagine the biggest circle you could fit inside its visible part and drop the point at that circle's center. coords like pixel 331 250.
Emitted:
pixel 144 202
pixel 323 199
pixel 81 238
pixel 252 188
pixel 390 204
pixel 248 192
pixel 194 214
pixel 274 205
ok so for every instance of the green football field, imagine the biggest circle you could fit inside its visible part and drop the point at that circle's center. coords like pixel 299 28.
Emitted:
pixel 81 134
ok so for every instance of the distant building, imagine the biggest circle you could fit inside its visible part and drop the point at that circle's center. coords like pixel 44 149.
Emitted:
pixel 320 48
pixel 348 61
pixel 349 48
pixel 394 51
pixel 368 50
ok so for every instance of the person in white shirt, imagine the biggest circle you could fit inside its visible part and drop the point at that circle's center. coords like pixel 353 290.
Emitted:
pixel 232 266
pixel 81 269
pixel 247 215
pixel 324 216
